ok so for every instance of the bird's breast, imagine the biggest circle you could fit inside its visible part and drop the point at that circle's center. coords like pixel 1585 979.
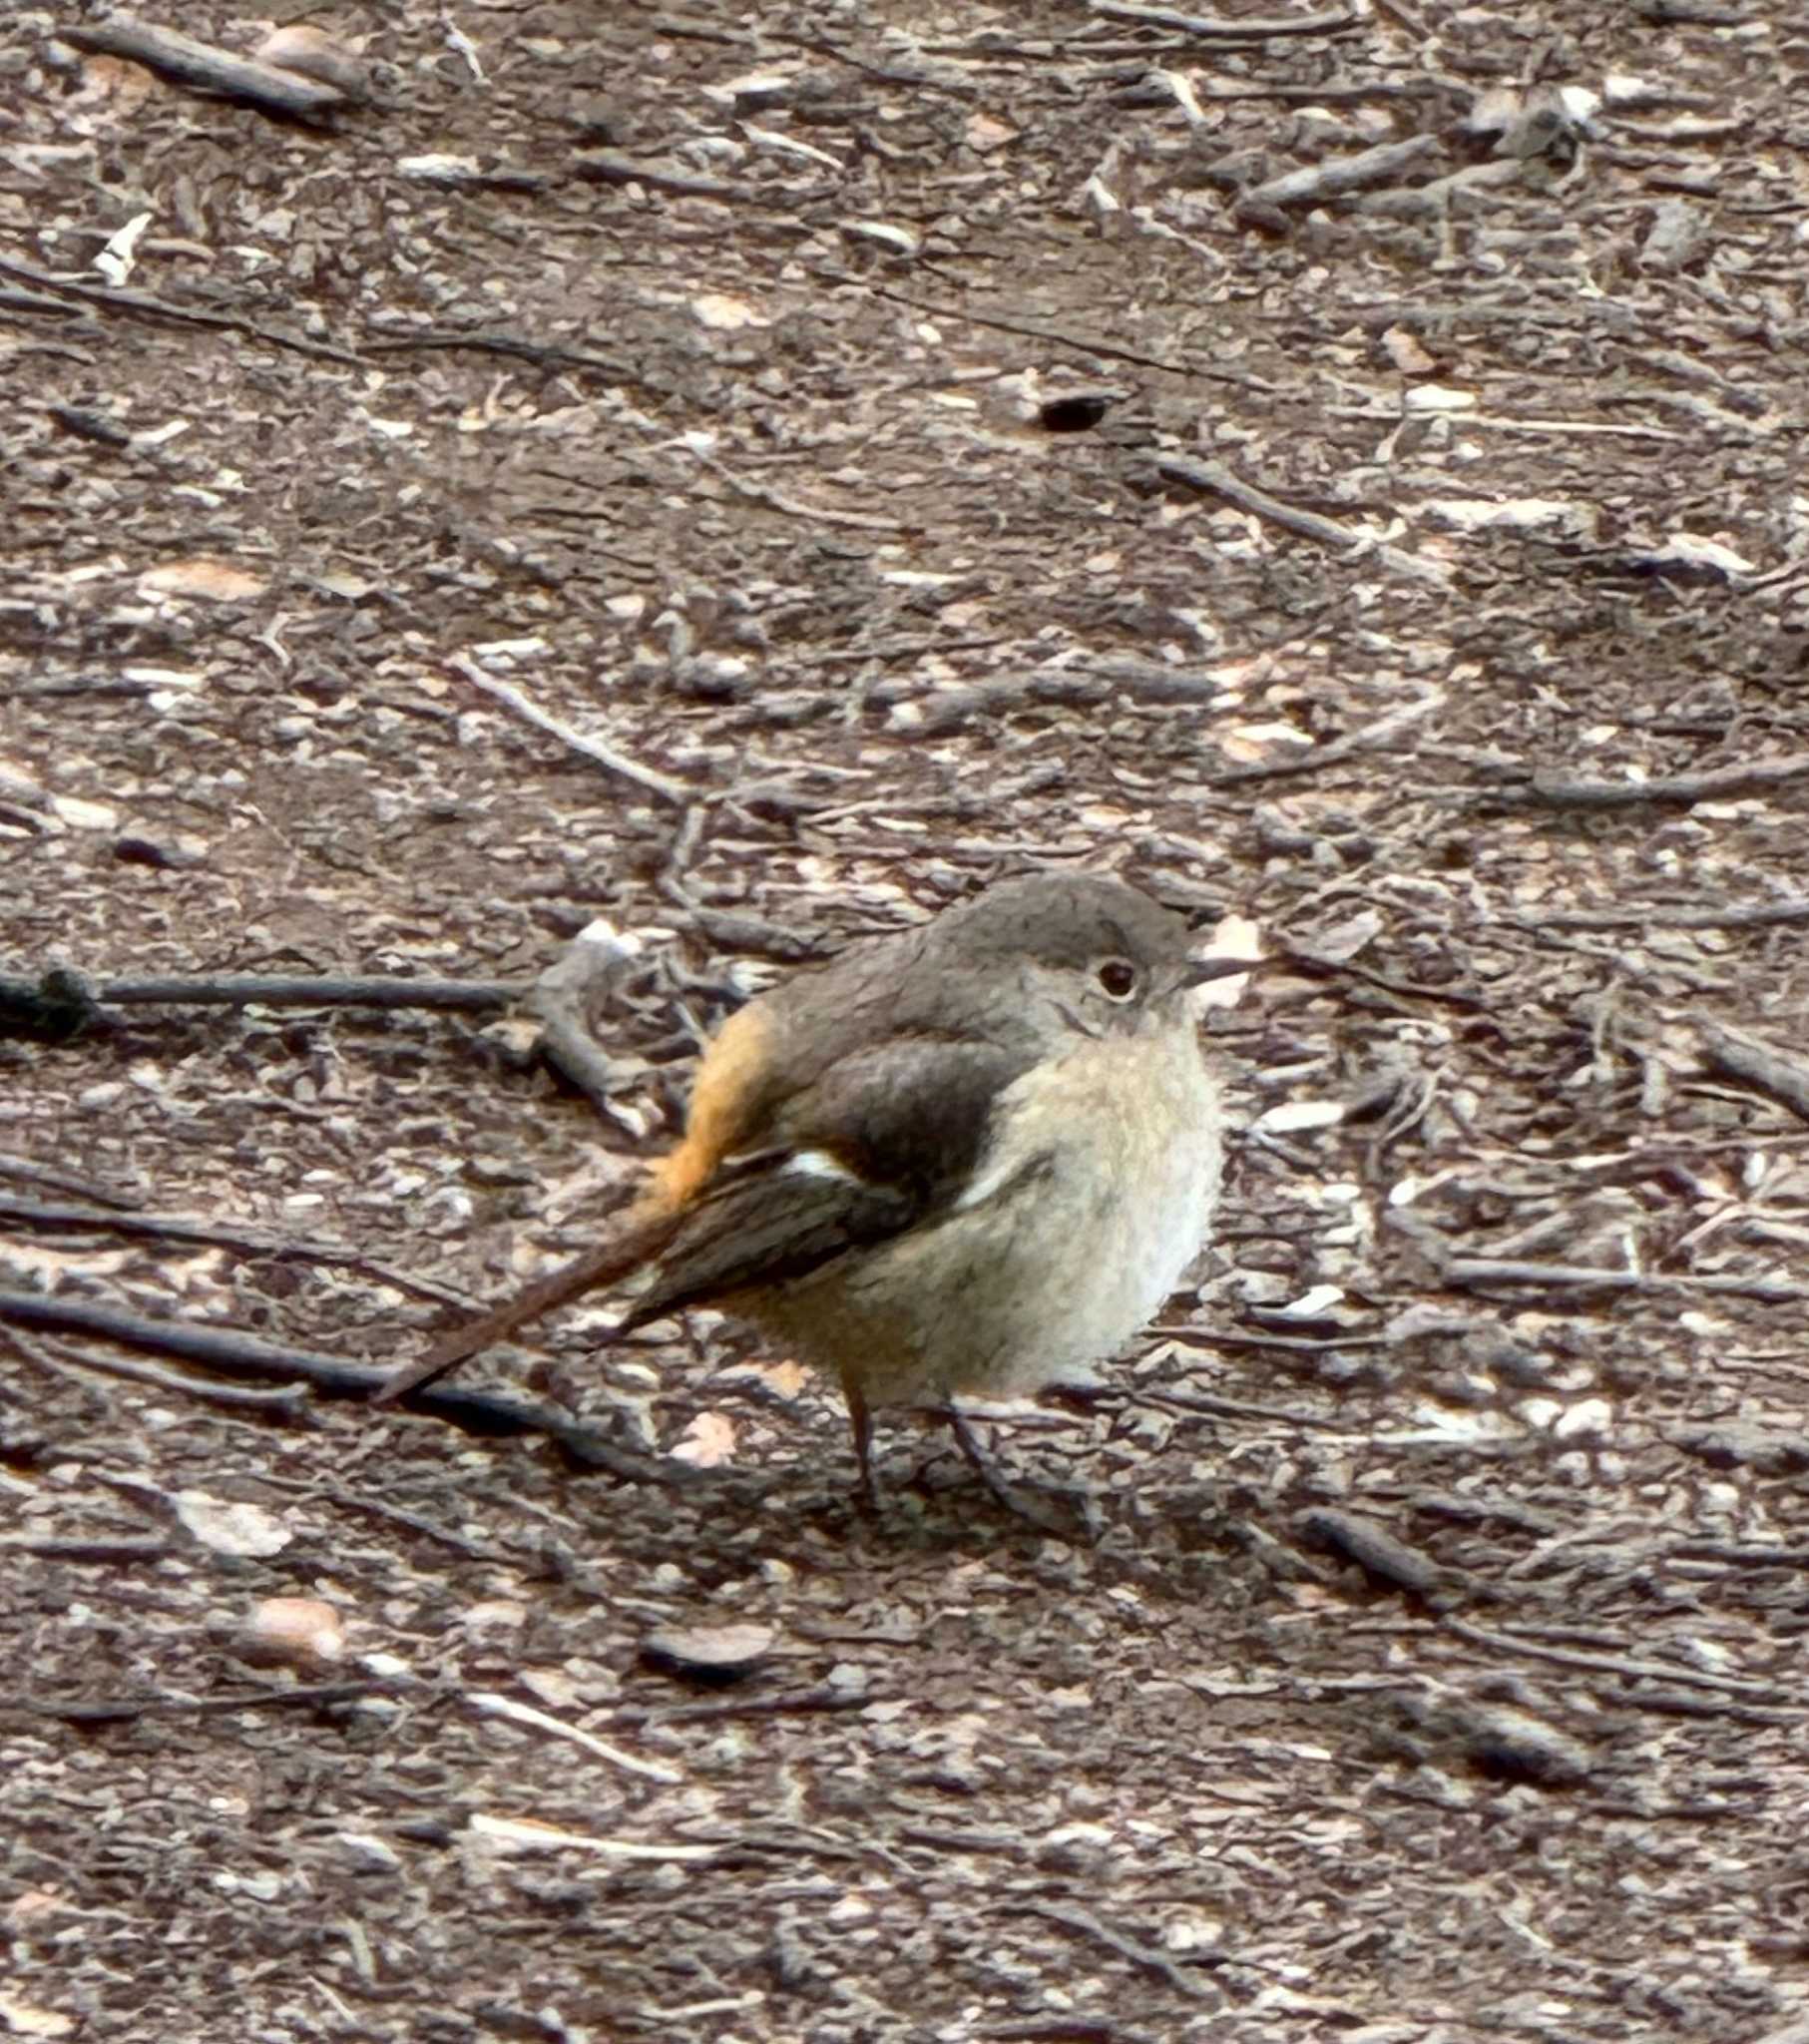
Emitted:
pixel 1090 1197
pixel 1095 1194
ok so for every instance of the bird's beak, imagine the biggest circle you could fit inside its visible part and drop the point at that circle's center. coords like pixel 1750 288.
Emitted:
pixel 1197 971
pixel 1201 971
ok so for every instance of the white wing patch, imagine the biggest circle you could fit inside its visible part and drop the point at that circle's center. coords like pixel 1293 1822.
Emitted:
pixel 820 1164
pixel 1005 1167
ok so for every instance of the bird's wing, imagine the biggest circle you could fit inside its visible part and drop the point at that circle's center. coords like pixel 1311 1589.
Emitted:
pixel 885 1139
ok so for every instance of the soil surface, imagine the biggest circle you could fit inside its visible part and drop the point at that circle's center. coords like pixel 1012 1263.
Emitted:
pixel 752 474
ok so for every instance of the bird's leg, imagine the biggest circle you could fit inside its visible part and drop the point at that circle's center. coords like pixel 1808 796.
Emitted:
pixel 969 1446
pixel 1028 1510
pixel 861 1421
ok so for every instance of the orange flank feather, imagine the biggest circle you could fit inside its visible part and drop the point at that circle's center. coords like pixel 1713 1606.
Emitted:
pixel 721 1103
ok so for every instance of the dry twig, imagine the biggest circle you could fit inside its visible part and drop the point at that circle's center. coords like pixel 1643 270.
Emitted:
pixel 605 756
pixel 1315 181
pixel 1465 1272
pixel 1612 1664
pixel 254 1241
pixel 143 305
pixel 490 1705
pixel 199 64
pixel 1718 783
pixel 283 1401
pixel 1333 21
pixel 28 1172
pixel 1147 1956
pixel 66 994
pixel 1379 1553
pixel 1754 915
pixel 109 1709
pixel 1217 480
pixel 1743 1057
pixel 234 1353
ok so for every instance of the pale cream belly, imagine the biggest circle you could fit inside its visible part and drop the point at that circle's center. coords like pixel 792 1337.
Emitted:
pixel 1085 1217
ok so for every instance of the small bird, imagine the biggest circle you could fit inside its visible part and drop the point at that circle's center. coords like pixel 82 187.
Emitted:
pixel 969 1158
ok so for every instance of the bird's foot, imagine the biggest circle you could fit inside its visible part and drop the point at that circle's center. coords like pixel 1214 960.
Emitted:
pixel 1039 1512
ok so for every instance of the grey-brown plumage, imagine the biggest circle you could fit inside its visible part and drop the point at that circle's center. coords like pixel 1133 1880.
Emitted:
pixel 968 1158
pixel 890 1059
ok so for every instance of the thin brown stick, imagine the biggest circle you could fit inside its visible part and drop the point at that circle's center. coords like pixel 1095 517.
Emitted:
pixel 1311 758
pixel 1463 1271
pixel 1214 478
pixel 1628 1665
pixel 609 758
pixel 329 990
pixel 27 1171
pixel 253 1242
pixel 1379 1553
pixel 62 1004
pixel 1330 23
pixel 234 1353
pixel 203 66
pixel 283 1401
pixel 143 305
pixel 1719 783
pixel 1735 917
pixel 101 1710
pixel 1741 1057
pixel 1315 181
pixel 96 1550
pixel 610 167
pixel 1147 1956
pixel 517 347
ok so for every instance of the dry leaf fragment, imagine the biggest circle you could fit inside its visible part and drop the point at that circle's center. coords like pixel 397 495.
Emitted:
pixel 711 1653
pixel 725 313
pixel 1292 1116
pixel 1564 519
pixel 529 1834
pixel 239 1529
pixel 900 239
pixel 984 134
pixel 311 53
pixel 33 1903
pixel 494 1611
pixel 115 261
pixel 85 815
pixel 303 1630
pixel 1696 550
pixel 23 2019
pixel 1435 397
pixel 1341 943
pixel 708 1441
pixel 1405 351
pixel 1248 744
pixel 1235 936
pixel 204 576
pixel 552 1684
pixel 112 78
pixel 786 1379
pixel 1312 1304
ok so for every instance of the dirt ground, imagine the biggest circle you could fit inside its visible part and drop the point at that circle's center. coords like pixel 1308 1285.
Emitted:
pixel 1415 561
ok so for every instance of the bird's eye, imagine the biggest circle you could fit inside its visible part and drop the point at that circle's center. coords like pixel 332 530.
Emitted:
pixel 1117 976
